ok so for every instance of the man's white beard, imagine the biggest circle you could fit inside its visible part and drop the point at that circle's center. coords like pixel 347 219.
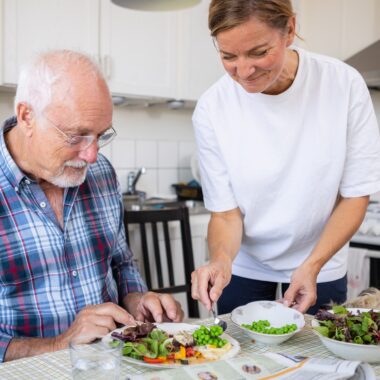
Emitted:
pixel 71 180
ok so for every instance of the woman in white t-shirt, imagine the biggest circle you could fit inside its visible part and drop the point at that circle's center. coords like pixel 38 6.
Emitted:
pixel 289 151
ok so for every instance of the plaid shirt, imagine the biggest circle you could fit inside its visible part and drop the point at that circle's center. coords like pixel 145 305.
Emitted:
pixel 48 274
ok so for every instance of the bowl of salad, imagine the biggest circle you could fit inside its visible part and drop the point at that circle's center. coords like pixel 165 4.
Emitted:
pixel 268 322
pixel 350 333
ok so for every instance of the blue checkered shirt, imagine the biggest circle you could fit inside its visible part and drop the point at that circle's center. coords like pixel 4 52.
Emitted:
pixel 49 273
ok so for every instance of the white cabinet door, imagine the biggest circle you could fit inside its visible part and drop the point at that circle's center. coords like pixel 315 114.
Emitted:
pixel 140 50
pixel 338 28
pixel 30 26
pixel 199 65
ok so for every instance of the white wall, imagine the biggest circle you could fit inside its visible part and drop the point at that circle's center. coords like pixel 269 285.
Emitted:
pixel 157 138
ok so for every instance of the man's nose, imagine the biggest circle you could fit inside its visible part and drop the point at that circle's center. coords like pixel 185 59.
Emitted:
pixel 90 154
pixel 245 68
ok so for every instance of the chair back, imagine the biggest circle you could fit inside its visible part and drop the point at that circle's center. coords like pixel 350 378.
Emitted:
pixel 160 260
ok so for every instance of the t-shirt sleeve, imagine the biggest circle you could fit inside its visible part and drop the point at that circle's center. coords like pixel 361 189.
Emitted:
pixel 216 186
pixel 361 175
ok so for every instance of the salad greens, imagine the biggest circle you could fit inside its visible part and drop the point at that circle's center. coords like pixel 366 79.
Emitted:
pixel 153 346
pixel 343 325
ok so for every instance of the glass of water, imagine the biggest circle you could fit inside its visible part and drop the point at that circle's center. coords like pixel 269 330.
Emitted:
pixel 98 361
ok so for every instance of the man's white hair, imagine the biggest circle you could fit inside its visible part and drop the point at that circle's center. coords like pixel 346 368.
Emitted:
pixel 39 78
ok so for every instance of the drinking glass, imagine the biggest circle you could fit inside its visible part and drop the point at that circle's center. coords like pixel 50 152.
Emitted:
pixel 93 361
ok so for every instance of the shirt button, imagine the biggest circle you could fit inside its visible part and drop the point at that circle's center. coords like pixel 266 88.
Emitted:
pixel 43 204
pixel 16 189
pixel 74 273
pixel 27 182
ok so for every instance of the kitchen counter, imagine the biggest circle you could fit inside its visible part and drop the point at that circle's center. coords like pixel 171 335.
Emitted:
pixel 133 203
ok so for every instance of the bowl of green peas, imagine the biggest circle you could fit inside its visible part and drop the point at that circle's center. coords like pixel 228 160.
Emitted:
pixel 268 322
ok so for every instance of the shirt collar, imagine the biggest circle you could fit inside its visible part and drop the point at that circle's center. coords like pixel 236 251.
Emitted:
pixel 7 164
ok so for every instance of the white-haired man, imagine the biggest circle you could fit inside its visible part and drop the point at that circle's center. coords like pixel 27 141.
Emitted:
pixel 65 269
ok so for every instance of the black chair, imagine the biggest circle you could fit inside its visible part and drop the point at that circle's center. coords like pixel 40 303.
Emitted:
pixel 149 222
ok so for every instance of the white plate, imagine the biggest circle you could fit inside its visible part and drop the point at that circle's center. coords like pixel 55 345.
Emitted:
pixel 350 351
pixel 173 328
pixel 275 313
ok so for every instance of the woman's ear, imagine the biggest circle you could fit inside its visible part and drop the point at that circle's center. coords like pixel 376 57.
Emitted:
pixel 291 31
pixel 25 118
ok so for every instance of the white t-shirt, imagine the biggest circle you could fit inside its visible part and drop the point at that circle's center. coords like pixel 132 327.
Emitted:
pixel 283 159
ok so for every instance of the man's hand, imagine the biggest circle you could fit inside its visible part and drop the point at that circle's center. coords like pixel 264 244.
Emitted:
pixel 209 280
pixel 154 307
pixel 302 291
pixel 93 322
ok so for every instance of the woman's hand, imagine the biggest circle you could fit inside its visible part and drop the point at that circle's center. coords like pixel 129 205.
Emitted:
pixel 302 291
pixel 209 280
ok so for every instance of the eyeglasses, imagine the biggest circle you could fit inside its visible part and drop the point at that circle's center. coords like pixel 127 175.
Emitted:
pixel 78 142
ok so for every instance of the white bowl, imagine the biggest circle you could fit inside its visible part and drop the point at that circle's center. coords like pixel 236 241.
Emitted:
pixel 276 313
pixel 350 351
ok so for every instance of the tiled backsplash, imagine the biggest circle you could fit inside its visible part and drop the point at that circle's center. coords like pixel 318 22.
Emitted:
pixel 166 162
pixel 157 138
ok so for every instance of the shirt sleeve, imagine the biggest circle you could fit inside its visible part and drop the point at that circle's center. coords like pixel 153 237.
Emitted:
pixel 216 185
pixel 361 175
pixel 126 273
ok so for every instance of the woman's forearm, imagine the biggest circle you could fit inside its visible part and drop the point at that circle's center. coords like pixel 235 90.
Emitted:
pixel 224 235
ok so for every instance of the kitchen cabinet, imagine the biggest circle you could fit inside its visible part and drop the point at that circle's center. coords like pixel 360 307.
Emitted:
pixel 200 65
pixel 38 25
pixel 140 50
pixel 338 28
pixel 198 226
pixel 142 54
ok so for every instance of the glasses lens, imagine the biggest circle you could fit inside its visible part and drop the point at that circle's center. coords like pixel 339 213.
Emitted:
pixel 106 137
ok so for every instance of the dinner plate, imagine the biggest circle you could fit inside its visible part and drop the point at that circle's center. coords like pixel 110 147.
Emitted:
pixel 173 328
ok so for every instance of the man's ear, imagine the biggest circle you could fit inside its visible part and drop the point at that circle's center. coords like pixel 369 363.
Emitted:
pixel 25 118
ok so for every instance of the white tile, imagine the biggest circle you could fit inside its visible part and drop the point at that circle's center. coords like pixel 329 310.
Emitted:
pixel 107 152
pixel 148 182
pixel 122 178
pixel 186 150
pixel 167 154
pixel 146 153
pixel 166 177
pixel 184 175
pixel 124 153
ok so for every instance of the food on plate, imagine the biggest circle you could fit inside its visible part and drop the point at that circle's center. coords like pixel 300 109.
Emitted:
pixel 152 345
pixel 362 327
pixel 263 326
pixel 130 334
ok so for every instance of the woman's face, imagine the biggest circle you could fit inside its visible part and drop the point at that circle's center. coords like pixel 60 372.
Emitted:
pixel 255 55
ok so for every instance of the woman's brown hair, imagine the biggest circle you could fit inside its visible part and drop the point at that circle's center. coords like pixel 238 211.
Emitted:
pixel 226 14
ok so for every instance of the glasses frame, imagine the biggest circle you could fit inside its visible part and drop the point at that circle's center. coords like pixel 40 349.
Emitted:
pixel 80 145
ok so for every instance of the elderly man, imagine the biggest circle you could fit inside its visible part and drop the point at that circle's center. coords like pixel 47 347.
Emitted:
pixel 64 264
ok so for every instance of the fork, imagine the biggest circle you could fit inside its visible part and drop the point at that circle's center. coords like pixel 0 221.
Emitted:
pixel 217 321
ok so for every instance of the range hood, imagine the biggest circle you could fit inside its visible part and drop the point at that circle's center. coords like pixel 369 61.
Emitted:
pixel 367 62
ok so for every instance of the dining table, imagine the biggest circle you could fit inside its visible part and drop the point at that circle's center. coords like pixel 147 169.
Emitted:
pixel 56 365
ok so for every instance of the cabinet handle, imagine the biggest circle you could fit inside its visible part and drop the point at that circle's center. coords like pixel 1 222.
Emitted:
pixel 107 66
